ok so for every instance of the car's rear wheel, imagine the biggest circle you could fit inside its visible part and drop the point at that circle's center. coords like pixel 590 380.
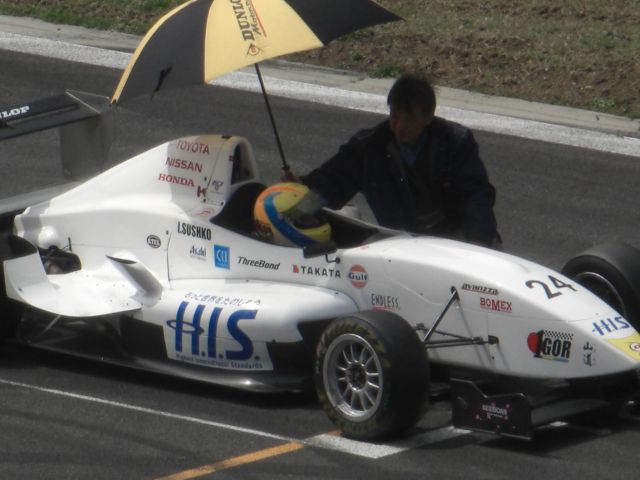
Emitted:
pixel 371 375
pixel 10 312
pixel 612 272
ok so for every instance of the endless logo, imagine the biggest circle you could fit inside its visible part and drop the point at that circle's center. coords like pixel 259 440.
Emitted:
pixel 384 302
pixel 550 345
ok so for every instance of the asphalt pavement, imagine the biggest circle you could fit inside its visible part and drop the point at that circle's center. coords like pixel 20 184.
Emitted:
pixel 448 98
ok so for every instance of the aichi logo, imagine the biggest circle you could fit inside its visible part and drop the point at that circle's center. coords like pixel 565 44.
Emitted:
pixel 358 276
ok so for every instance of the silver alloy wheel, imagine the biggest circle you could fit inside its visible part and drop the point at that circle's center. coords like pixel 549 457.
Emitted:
pixel 352 375
pixel 602 288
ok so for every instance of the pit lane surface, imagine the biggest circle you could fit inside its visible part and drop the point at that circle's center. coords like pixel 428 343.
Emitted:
pixel 65 418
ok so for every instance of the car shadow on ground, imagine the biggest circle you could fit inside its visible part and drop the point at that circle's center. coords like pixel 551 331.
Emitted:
pixel 16 356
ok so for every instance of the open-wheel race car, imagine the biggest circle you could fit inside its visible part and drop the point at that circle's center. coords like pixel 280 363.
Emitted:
pixel 155 264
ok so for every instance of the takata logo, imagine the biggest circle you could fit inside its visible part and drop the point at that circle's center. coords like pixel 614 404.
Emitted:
pixel 358 276
pixel 316 271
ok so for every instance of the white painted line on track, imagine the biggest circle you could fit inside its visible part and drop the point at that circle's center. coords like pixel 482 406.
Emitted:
pixel 375 451
pixel 336 97
pixel 323 441
pixel 136 408
pixel 63 50
pixel 373 103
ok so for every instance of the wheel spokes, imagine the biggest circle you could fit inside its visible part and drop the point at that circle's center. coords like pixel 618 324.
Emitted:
pixel 354 376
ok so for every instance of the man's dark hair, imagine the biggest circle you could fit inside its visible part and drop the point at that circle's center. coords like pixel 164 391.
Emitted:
pixel 412 90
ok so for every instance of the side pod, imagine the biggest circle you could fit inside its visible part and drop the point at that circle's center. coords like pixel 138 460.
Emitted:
pixel 79 293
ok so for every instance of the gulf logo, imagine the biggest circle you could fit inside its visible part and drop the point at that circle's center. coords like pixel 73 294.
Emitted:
pixel 358 276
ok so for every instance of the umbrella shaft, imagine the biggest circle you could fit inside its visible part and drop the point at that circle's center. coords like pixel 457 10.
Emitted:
pixel 285 166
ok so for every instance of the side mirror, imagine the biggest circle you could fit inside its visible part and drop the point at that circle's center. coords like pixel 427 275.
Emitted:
pixel 319 249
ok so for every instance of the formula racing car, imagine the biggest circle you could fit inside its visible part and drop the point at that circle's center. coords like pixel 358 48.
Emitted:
pixel 155 264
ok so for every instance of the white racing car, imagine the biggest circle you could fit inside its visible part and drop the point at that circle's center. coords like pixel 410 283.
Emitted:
pixel 154 264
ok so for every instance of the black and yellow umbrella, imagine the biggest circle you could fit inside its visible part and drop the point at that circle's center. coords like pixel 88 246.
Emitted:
pixel 203 39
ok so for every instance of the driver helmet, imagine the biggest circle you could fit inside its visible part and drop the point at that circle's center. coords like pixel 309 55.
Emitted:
pixel 278 221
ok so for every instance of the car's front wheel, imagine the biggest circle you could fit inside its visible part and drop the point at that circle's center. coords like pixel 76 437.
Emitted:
pixel 371 374
pixel 612 272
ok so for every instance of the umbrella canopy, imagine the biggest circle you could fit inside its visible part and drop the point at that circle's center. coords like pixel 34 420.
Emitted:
pixel 203 39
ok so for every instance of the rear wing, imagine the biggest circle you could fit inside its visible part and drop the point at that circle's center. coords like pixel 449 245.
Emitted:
pixel 85 124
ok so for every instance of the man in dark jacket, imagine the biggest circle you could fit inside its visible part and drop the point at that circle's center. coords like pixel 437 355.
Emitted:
pixel 418 172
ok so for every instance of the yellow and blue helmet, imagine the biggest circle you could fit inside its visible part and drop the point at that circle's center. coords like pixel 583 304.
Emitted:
pixel 277 220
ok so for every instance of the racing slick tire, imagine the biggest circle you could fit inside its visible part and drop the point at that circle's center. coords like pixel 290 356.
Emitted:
pixel 10 312
pixel 612 272
pixel 372 375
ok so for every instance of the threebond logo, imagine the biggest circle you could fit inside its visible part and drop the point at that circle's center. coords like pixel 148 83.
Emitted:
pixel 221 257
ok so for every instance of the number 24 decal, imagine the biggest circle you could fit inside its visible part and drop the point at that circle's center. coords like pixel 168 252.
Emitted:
pixel 548 290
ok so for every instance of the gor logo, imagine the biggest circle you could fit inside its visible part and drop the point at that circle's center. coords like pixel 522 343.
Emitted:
pixel 550 345
pixel 221 256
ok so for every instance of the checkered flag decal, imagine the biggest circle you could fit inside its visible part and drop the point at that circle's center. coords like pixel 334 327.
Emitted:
pixel 558 335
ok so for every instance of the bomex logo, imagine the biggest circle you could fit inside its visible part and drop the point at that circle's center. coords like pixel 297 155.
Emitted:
pixel 221 256
pixel 197 326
